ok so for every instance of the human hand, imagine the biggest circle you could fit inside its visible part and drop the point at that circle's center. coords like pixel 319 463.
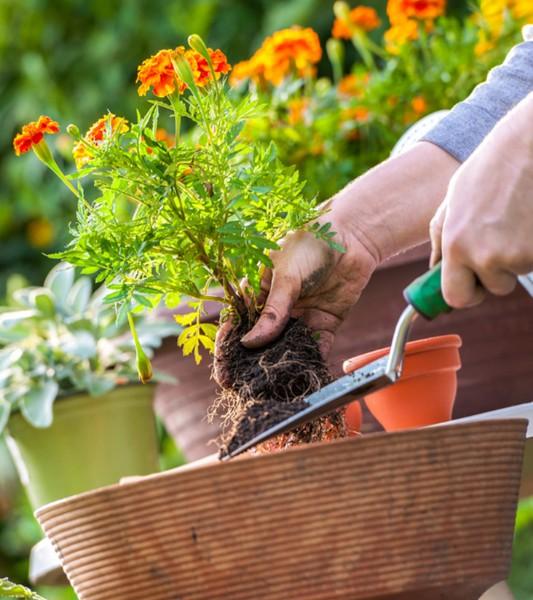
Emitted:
pixel 312 282
pixel 483 229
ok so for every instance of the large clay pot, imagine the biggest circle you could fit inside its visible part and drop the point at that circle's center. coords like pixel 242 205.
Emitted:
pixel 425 393
pixel 426 514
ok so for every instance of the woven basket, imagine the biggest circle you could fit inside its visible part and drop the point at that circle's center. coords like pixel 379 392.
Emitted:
pixel 425 514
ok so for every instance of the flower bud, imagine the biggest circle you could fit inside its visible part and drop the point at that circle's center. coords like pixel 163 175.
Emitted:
pixel 144 366
pixel 184 71
pixel 73 131
pixel 342 11
pixel 198 44
pixel 335 50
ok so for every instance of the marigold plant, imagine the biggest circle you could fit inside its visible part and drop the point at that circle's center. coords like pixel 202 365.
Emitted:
pixel 177 219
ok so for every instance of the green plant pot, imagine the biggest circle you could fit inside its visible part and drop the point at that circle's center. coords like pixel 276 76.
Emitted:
pixel 93 442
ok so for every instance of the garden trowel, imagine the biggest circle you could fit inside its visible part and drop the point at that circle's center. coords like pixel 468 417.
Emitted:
pixel 424 297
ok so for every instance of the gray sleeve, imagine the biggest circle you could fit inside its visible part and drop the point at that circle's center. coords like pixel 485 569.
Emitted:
pixel 461 131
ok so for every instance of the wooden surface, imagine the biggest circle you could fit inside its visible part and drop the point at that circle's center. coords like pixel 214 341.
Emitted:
pixel 425 514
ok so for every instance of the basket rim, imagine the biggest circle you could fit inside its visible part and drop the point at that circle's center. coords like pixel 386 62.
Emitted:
pixel 519 425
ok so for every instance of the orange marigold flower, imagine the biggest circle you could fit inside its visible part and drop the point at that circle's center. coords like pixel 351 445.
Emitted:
pixel 399 10
pixel 219 61
pixel 361 17
pixel 105 127
pixel 253 69
pixel 157 71
pixel 33 133
pixel 297 108
pixel 419 105
pixel 292 50
pixel 200 66
pixel 353 85
pixel 356 113
pixel 341 30
pixel 398 35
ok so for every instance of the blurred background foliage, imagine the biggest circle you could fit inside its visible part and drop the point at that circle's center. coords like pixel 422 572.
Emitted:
pixel 74 60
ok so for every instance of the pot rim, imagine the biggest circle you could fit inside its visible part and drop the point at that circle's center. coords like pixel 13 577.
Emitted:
pixel 412 348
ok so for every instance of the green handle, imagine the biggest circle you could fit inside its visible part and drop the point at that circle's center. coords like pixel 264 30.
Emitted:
pixel 425 294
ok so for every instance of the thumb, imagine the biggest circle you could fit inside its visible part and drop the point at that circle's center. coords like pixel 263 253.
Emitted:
pixel 435 233
pixel 284 292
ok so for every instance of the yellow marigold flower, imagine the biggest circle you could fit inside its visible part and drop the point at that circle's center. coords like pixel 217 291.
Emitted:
pixel 484 44
pixel 419 105
pixel 98 132
pixel 353 85
pixel 286 51
pixel 522 10
pixel 423 10
pixel 493 14
pixel 398 35
pixel 361 17
pixel 33 133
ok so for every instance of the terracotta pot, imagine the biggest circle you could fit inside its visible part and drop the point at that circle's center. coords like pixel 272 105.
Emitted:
pixel 353 418
pixel 425 514
pixel 425 393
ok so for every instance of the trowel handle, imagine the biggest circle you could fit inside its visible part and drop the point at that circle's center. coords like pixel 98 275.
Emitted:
pixel 425 294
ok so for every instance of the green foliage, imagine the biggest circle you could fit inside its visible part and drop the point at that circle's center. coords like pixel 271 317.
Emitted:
pixel 62 338
pixel 521 578
pixel 12 590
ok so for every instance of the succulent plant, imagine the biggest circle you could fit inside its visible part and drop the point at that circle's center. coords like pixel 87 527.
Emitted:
pixel 62 338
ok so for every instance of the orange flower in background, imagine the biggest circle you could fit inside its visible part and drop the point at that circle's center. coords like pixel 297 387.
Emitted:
pixel 103 129
pixel 419 105
pixel 398 35
pixel 360 114
pixel 157 72
pixel 361 17
pixel 162 135
pixel 297 108
pixel 33 133
pixel 353 84
pixel 246 69
pixel 423 10
pixel 295 49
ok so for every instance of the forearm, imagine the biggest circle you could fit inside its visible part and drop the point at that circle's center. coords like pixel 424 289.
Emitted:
pixel 518 126
pixel 389 208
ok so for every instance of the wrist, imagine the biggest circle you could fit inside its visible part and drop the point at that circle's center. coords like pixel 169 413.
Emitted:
pixel 388 209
